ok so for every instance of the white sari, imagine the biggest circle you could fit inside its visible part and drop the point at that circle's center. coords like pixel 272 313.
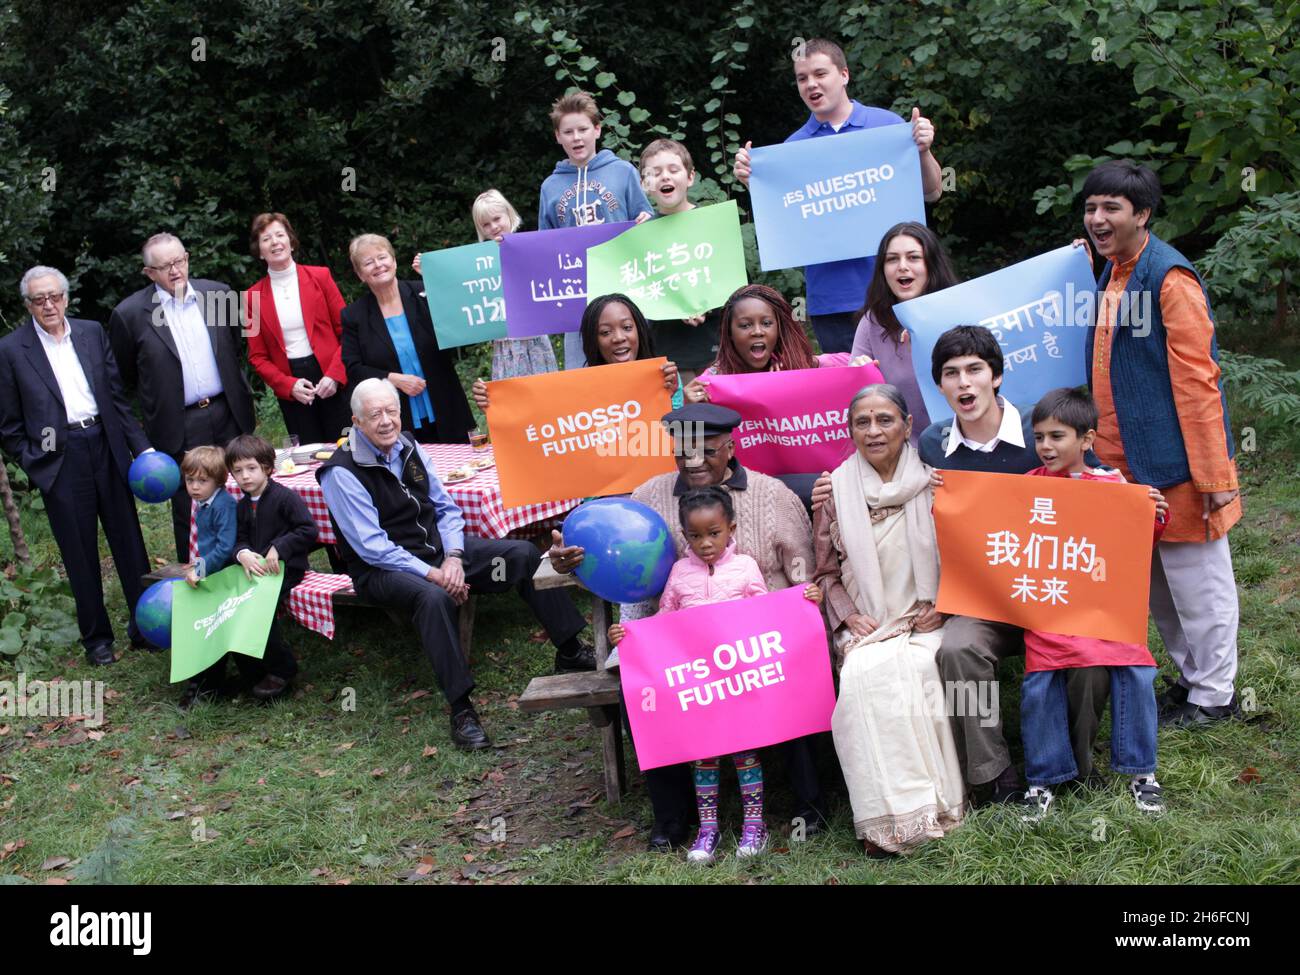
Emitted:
pixel 890 725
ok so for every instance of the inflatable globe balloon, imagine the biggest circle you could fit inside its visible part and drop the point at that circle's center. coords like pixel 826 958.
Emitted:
pixel 154 477
pixel 628 549
pixel 153 613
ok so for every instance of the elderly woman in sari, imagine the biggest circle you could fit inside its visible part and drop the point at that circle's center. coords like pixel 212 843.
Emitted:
pixel 878 564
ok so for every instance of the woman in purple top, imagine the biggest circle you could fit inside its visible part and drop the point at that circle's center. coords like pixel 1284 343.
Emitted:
pixel 911 262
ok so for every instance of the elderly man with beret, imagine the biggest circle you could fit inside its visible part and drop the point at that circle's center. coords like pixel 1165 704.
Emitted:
pixel 772 527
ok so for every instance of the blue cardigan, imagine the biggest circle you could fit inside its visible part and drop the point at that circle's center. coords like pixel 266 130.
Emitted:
pixel 217 524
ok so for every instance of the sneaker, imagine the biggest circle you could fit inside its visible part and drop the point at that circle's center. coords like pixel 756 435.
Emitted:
pixel 1148 795
pixel 1036 801
pixel 706 844
pixel 753 840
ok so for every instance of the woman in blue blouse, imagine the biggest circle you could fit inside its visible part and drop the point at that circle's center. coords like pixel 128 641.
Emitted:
pixel 388 334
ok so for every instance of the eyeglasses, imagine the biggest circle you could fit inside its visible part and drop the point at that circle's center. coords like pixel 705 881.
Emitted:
pixel 392 412
pixel 708 451
pixel 53 298
pixel 170 265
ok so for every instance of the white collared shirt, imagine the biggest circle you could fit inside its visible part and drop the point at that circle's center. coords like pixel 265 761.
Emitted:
pixel 78 400
pixel 288 308
pixel 198 362
pixel 1010 431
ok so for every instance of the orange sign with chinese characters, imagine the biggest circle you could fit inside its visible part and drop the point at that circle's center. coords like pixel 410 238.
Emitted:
pixel 1046 553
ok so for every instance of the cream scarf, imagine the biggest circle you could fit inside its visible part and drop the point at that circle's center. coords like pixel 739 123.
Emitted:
pixel 856 481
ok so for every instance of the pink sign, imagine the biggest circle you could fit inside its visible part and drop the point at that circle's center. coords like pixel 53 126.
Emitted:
pixel 796 422
pixel 724 678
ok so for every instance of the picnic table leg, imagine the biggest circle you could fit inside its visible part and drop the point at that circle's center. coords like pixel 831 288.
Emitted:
pixel 606 718
pixel 600 614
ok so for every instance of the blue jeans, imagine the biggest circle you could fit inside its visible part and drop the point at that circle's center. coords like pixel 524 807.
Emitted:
pixel 1044 724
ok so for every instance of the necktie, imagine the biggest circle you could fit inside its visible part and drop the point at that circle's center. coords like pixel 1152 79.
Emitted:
pixel 194 531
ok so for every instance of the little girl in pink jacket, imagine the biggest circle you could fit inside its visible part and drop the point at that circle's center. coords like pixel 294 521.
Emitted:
pixel 713 571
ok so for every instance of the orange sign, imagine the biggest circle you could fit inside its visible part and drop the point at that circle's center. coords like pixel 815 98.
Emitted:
pixel 584 432
pixel 1046 553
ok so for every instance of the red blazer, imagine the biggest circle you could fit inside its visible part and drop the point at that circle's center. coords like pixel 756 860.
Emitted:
pixel 321 305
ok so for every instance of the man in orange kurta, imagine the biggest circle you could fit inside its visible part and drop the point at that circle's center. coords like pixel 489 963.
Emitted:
pixel 1163 421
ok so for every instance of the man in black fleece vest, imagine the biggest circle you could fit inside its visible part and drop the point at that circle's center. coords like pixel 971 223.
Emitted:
pixel 403 541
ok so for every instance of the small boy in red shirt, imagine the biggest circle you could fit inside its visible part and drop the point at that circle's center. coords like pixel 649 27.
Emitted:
pixel 1065 426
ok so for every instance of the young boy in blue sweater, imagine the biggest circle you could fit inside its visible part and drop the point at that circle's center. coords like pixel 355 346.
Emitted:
pixel 587 186
pixel 212 545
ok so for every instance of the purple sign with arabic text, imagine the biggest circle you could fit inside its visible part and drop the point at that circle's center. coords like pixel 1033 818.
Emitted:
pixel 544 277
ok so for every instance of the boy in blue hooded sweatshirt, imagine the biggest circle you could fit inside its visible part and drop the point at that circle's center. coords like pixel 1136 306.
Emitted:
pixel 587 186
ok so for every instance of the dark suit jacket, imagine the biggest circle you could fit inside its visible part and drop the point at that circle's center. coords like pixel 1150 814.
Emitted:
pixel 321 305
pixel 281 519
pixel 151 365
pixel 369 353
pixel 32 408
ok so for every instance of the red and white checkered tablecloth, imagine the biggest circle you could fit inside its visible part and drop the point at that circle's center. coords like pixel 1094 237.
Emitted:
pixel 311 602
pixel 479 497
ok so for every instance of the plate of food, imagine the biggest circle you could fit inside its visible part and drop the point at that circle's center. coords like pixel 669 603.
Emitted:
pixel 463 473
pixel 481 463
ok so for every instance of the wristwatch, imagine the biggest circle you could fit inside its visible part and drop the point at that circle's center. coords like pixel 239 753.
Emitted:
pixel 456 553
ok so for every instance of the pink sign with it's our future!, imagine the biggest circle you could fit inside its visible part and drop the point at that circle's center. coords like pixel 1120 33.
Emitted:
pixel 795 421
pixel 727 677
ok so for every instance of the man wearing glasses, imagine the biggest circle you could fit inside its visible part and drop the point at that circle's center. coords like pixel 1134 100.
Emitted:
pixel 177 344
pixel 65 419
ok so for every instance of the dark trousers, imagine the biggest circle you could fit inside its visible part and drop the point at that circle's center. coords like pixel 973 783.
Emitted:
pixel 490 566
pixel 834 332
pixel 278 658
pixel 324 420
pixel 971 651
pixel 212 425
pixel 89 491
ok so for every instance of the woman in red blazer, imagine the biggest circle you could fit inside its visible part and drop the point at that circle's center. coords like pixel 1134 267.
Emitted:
pixel 293 334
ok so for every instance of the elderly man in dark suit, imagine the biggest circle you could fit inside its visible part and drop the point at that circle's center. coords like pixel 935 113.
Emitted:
pixel 177 344
pixel 65 419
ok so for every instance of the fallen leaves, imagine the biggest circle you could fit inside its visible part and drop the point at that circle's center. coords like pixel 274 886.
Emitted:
pixel 429 751
pixel 625 832
pixel 10 848
pixel 54 863
pixel 1250 776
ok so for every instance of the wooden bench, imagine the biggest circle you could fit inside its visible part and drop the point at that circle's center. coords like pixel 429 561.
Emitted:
pixel 176 570
pixel 596 691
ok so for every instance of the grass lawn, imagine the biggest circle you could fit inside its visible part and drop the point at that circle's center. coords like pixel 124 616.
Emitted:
pixel 306 791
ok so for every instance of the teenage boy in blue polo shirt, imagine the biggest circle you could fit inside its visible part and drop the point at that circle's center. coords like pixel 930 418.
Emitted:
pixel 838 288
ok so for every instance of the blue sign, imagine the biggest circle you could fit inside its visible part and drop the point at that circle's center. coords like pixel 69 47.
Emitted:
pixel 1039 310
pixel 832 199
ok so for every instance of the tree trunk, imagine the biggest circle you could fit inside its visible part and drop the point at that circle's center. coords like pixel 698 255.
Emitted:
pixel 23 556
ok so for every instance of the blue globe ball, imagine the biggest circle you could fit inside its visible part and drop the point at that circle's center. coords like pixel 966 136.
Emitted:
pixel 628 550
pixel 154 477
pixel 153 613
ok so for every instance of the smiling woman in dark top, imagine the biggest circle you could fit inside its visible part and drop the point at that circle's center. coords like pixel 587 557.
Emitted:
pixel 388 334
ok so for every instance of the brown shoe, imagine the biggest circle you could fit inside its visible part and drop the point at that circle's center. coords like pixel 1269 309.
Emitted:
pixel 270 687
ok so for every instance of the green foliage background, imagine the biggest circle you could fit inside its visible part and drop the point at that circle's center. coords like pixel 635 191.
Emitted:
pixel 192 116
